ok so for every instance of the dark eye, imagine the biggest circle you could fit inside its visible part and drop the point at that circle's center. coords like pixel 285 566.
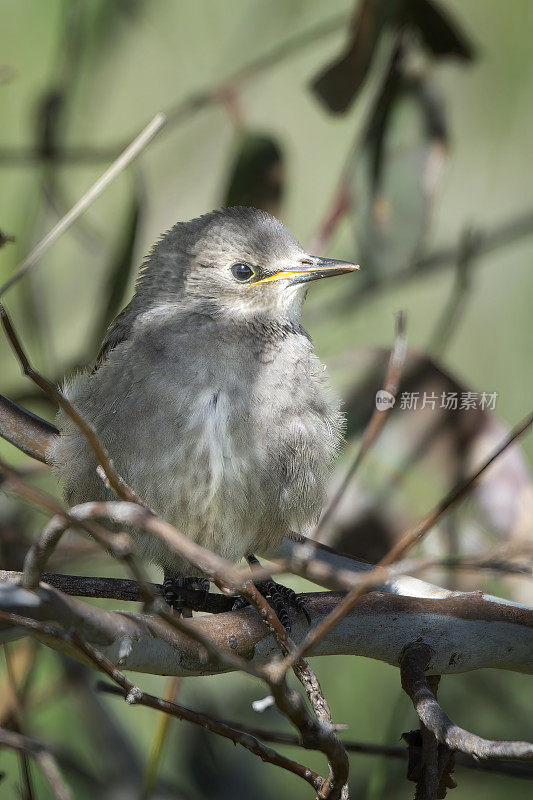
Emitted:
pixel 242 272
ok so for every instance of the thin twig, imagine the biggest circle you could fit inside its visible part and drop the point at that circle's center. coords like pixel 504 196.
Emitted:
pixel 134 696
pixel 316 733
pixel 190 105
pixel 115 480
pixel 46 761
pixel 118 166
pixel 448 321
pixel 409 539
pixel 484 242
pixel 510 768
pixel 376 422
pixel 415 535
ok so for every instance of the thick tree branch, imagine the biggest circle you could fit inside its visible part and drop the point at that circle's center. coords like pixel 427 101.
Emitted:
pixel 466 631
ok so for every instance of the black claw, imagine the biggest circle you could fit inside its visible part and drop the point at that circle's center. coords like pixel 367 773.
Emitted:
pixel 280 596
pixel 278 603
pixel 182 593
pixel 238 603
pixel 296 601
pixel 197 590
pixel 173 592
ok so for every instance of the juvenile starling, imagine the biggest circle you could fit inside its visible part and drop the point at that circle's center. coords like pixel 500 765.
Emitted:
pixel 208 396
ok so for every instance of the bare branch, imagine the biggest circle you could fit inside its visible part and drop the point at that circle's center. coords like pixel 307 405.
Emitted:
pixel 415 660
pixel 115 480
pixel 406 542
pixel 415 535
pixel 112 589
pixel 483 242
pixel 123 160
pixel 46 761
pixel 512 768
pixel 334 570
pixel 376 422
pixel 31 434
pixel 467 631
pixel 134 696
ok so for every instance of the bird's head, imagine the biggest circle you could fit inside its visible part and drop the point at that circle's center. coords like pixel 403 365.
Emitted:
pixel 236 262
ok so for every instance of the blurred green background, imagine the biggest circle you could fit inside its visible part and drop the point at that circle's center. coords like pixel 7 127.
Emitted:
pixel 77 81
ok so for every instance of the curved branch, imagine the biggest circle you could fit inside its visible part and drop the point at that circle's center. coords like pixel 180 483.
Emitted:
pixel 465 631
pixel 31 434
pixel 414 662
pixel 87 428
pixel 408 540
pixel 134 696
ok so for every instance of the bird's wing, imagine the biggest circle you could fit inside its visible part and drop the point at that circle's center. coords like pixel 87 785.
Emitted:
pixel 118 332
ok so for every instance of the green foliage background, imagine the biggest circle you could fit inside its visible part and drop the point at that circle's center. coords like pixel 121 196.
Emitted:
pixel 136 58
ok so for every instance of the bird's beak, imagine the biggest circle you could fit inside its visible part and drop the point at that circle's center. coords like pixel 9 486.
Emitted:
pixel 310 268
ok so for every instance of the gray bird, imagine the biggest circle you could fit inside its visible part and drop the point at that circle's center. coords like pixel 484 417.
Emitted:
pixel 208 396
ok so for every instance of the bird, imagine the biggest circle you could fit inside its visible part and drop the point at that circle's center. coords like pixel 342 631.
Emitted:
pixel 210 399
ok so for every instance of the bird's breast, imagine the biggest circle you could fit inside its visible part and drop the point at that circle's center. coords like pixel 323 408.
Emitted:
pixel 231 442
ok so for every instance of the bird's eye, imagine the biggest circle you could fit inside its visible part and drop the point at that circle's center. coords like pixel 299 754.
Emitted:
pixel 242 272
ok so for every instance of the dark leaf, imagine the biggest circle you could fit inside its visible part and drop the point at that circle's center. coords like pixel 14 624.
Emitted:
pixel 448 431
pixel 441 34
pixel 49 118
pixel 257 175
pixel 120 271
pixel 338 84
pixel 5 238
pixel 394 179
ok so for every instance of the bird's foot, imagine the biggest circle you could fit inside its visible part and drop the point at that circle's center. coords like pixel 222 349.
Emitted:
pixel 180 592
pixel 280 598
